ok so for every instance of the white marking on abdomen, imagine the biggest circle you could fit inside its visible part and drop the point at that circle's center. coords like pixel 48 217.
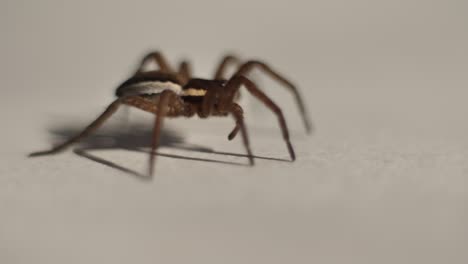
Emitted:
pixel 152 87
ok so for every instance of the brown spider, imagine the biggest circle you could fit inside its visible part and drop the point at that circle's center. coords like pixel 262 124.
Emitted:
pixel 171 93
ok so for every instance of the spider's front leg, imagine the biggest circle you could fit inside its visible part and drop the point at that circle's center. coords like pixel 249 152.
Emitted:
pixel 247 67
pixel 211 105
pixel 238 114
pixel 232 88
pixel 226 61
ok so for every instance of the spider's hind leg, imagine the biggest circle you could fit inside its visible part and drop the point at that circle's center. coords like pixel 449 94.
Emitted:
pixel 111 109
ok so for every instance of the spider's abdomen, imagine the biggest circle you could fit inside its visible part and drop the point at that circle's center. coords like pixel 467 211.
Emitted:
pixel 148 88
pixel 148 83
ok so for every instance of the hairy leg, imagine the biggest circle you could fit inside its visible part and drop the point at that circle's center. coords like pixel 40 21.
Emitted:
pixel 225 62
pixel 237 112
pixel 233 133
pixel 111 109
pixel 159 59
pixel 210 98
pixel 245 68
pixel 165 99
pixel 185 70
pixel 234 85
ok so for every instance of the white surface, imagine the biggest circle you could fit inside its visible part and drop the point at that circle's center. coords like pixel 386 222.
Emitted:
pixel 383 179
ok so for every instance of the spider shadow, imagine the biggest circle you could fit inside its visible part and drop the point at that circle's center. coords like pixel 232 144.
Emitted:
pixel 137 137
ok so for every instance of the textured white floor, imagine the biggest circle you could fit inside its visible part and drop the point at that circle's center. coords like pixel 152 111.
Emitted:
pixel 382 180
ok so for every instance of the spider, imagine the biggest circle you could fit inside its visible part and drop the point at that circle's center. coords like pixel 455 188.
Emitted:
pixel 167 92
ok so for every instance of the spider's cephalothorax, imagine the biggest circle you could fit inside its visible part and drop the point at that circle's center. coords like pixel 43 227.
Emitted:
pixel 170 93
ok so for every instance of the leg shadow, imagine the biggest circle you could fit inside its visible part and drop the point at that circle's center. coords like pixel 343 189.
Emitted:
pixel 133 137
pixel 211 151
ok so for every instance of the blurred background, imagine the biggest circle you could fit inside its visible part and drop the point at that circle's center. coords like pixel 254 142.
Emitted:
pixel 382 179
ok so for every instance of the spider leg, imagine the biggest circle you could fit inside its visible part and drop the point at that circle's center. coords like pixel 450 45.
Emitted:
pixel 111 109
pixel 185 70
pixel 209 100
pixel 165 104
pixel 245 68
pixel 233 133
pixel 160 60
pixel 224 63
pixel 234 85
pixel 237 112
pixel 211 97
pixel 211 103
pixel 165 99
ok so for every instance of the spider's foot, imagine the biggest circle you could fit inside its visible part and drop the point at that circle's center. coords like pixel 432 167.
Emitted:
pixel 291 152
pixel 251 159
pixel 43 153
